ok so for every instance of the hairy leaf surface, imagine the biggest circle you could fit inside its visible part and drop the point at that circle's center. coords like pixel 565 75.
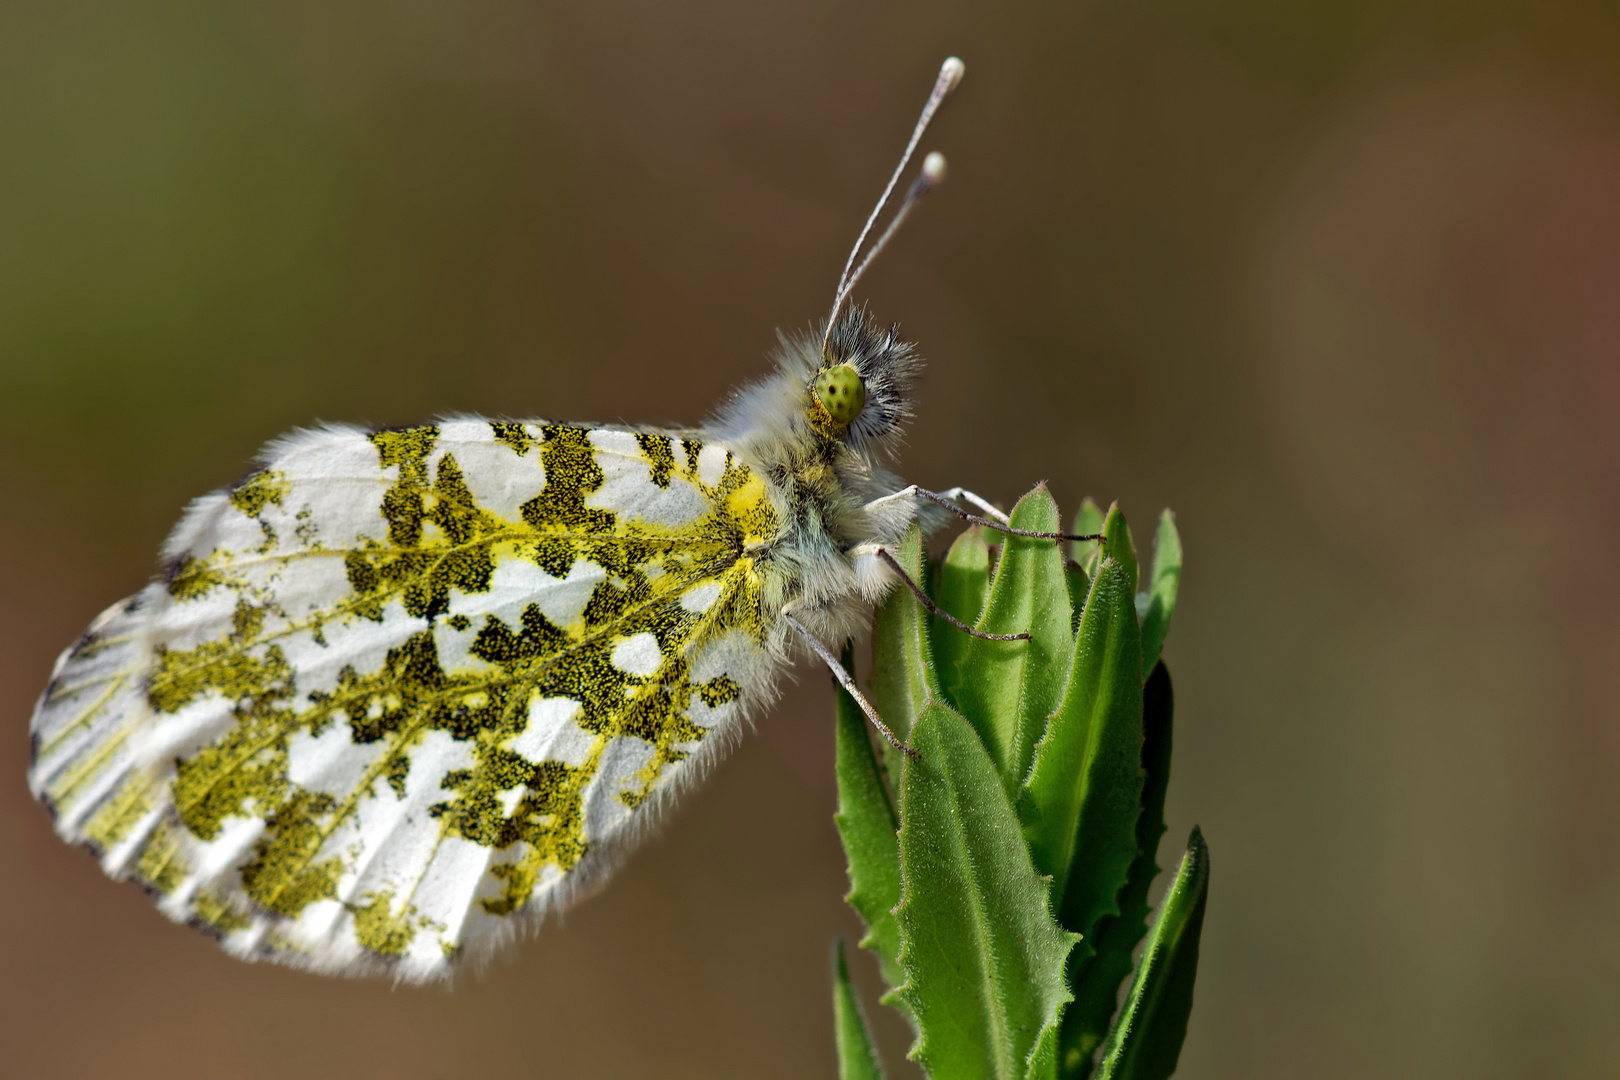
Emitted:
pixel 1013 686
pixel 982 956
pixel 1146 1041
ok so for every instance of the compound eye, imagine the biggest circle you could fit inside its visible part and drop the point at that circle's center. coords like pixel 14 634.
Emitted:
pixel 841 393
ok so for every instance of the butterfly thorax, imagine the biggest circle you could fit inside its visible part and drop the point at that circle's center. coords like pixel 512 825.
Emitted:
pixel 821 473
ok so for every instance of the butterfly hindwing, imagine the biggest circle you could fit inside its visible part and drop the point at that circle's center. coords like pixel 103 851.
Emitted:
pixel 397 687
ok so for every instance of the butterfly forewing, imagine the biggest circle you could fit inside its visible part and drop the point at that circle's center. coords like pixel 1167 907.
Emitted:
pixel 400 686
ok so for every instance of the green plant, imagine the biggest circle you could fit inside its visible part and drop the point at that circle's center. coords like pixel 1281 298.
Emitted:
pixel 1004 878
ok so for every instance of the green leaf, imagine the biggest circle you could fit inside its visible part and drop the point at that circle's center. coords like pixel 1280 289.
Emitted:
pixel 856 1061
pixel 1117 545
pixel 1080 804
pixel 956 904
pixel 902 677
pixel 1161 594
pixel 1096 981
pixel 983 958
pixel 866 823
pixel 1147 1037
pixel 964 585
pixel 1015 685
pixel 1087 522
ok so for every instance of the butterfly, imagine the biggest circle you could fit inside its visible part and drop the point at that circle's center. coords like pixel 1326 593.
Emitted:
pixel 400 692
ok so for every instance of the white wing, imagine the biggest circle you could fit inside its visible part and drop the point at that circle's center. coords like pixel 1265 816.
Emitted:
pixel 400 687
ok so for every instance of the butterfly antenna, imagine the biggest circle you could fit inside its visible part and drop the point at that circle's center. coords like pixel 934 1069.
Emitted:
pixel 933 171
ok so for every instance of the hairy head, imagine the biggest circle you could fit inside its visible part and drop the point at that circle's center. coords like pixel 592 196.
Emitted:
pixel 855 393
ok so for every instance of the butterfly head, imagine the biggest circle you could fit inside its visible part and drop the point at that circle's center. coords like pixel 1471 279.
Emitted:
pixel 849 388
pixel 860 392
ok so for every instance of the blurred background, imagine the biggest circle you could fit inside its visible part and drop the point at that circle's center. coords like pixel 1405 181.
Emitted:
pixel 1339 282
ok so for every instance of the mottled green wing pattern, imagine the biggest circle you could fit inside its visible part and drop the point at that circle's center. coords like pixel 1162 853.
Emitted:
pixel 399 687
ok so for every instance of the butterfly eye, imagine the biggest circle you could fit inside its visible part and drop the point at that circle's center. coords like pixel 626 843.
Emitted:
pixel 841 393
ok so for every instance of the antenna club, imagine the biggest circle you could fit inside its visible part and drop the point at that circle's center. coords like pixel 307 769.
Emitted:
pixel 933 171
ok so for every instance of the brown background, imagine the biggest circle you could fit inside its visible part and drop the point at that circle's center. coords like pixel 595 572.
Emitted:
pixel 1338 281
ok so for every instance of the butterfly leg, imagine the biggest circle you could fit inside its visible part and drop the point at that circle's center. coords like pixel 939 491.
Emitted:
pixel 977 500
pixel 911 493
pixel 945 499
pixel 846 682
pixel 883 554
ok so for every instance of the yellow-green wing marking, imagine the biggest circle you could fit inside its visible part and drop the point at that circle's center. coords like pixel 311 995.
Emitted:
pixel 400 687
